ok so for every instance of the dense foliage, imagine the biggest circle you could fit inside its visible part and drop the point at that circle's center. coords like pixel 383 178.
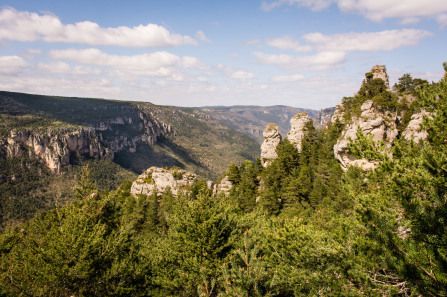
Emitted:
pixel 299 227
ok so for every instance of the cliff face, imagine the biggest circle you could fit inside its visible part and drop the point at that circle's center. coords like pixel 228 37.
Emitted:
pixel 414 131
pixel 382 126
pixel 381 123
pixel 324 117
pixel 272 138
pixel 60 147
pixel 378 71
pixel 299 124
pixel 55 149
pixel 157 180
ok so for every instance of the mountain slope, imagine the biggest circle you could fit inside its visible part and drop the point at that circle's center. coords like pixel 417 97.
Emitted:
pixel 139 134
pixel 44 140
pixel 252 120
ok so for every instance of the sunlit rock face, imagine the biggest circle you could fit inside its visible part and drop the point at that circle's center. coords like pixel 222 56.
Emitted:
pixel 382 127
pixel 56 147
pixel 298 129
pixel 414 131
pixel 379 71
pixel 224 186
pixel 272 138
pixel 157 180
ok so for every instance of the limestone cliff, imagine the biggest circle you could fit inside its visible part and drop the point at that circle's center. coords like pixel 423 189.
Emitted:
pixel 414 131
pixel 224 186
pixel 272 138
pixel 298 129
pixel 378 71
pixel 382 127
pixel 157 180
pixel 324 117
pixel 60 147
pixel 378 117
pixel 54 148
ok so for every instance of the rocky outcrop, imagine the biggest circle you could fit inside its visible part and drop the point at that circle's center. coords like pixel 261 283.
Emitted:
pixel 413 130
pixel 382 127
pixel 157 180
pixel 338 114
pixel 59 147
pixel 324 117
pixel 54 148
pixel 272 138
pixel 224 187
pixel 378 71
pixel 298 129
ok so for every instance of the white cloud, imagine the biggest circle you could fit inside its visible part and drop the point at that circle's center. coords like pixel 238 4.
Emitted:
pixel 288 78
pixel 200 35
pixel 55 67
pixel 410 21
pixel 319 61
pixel 315 5
pixel 156 64
pixel 26 26
pixel 64 68
pixel 442 20
pixel 288 43
pixel 377 10
pixel 12 65
pixel 242 75
pixel 191 62
pixel 375 41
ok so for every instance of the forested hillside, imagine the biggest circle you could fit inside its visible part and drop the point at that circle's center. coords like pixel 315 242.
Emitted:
pixel 44 140
pixel 300 226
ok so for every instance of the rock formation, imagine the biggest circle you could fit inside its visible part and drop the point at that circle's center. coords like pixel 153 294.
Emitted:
pixel 338 114
pixel 57 147
pixel 54 147
pixel 157 180
pixel 378 71
pixel 413 130
pixel 272 138
pixel 298 129
pixel 224 186
pixel 324 117
pixel 382 126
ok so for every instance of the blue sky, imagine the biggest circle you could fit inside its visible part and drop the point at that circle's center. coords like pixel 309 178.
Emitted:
pixel 302 53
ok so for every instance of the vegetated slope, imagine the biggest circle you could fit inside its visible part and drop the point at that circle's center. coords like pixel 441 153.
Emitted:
pixel 189 139
pixel 197 143
pixel 298 227
pixel 252 120
pixel 140 135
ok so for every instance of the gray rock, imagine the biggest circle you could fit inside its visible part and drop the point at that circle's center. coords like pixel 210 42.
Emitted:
pixel 379 71
pixel 157 180
pixel 272 138
pixel 382 126
pixel 299 129
pixel 413 130
pixel 224 186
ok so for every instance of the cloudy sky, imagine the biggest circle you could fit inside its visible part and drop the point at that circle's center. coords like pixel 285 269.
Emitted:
pixel 302 53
